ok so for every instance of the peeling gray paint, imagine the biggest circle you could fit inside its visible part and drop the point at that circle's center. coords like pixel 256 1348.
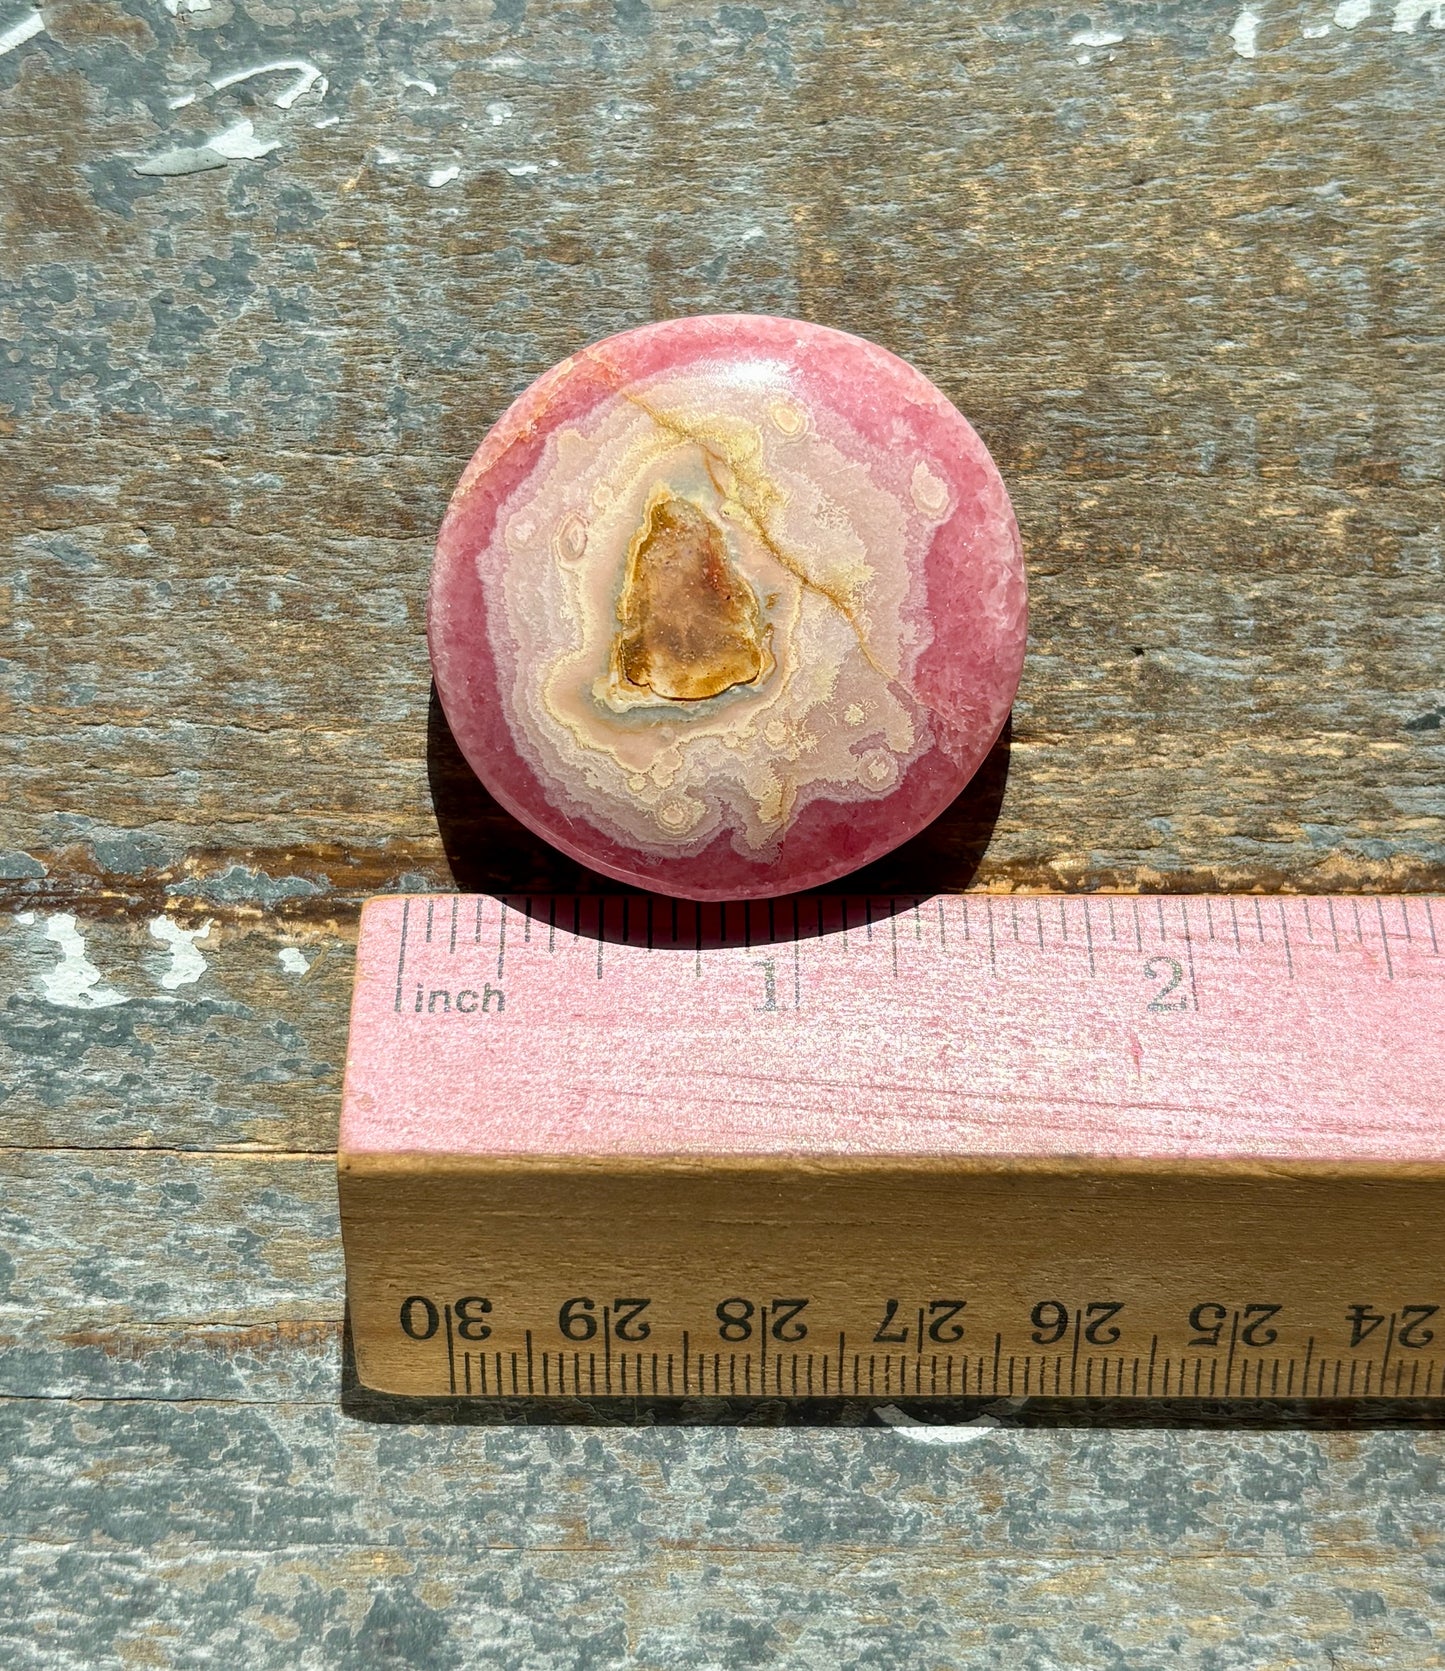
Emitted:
pixel 240 885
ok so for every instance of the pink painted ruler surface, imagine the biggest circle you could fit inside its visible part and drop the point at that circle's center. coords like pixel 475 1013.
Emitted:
pixel 1109 1027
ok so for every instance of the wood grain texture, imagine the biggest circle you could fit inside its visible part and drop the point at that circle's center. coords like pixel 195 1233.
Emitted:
pixel 1186 297
pixel 1190 298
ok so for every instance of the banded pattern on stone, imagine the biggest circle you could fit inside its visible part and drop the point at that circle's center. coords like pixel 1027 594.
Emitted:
pixel 728 606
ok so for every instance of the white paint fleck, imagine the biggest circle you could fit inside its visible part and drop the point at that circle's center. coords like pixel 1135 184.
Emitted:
pixel 239 140
pixel 1245 33
pixel 75 983
pixel 293 961
pixel 180 101
pixel 927 1433
pixel 25 917
pixel 518 169
pixel 176 7
pixel 28 27
pixel 185 159
pixel 1409 12
pixel 1316 32
pixel 1350 14
pixel 498 112
pixel 326 122
pixel 187 964
pixel 1095 37
pixel 385 155
pixel 308 75
pixel 427 87
pixel 443 176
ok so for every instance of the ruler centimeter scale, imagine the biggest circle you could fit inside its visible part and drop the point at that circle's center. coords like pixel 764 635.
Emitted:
pixel 998 1146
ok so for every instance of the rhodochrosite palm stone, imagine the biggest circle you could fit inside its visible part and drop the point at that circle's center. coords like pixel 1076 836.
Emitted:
pixel 728 606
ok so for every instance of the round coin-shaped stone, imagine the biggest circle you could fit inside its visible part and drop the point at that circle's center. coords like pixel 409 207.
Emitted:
pixel 726 607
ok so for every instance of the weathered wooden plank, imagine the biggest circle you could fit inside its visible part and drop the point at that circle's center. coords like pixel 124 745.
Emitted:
pixel 169 1275
pixel 119 1032
pixel 1203 351
pixel 139 1237
pixel 387 1609
pixel 175 1534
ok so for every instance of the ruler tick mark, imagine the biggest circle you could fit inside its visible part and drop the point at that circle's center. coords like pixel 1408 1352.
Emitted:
pixel 1284 933
pixel 797 960
pixel 1385 940
pixel 942 926
pixel 452 947
pixel 501 938
pixel 1189 948
pixel 1334 929
pixel 1074 1359
pixel 1430 918
pixel 1089 938
pixel 401 953
pixel 451 1350
pixel 430 907
pixel 1234 919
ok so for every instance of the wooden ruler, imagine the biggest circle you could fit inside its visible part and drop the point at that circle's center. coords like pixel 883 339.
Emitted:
pixel 1082 1147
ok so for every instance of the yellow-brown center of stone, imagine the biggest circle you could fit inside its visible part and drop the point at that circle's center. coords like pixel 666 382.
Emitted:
pixel 689 626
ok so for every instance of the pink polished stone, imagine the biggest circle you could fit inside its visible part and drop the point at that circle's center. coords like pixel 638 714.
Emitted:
pixel 728 606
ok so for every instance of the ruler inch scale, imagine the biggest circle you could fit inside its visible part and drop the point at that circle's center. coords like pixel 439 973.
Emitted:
pixel 1027 1146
